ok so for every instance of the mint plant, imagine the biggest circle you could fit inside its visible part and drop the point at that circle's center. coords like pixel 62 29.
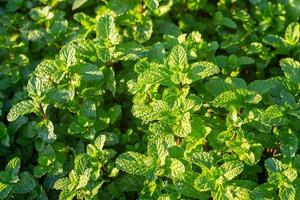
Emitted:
pixel 87 177
pixel 12 181
pixel 149 99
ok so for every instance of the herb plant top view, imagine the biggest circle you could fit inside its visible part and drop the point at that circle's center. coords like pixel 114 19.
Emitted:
pixel 150 99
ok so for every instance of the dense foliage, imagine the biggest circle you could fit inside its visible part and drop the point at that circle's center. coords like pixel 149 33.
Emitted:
pixel 149 99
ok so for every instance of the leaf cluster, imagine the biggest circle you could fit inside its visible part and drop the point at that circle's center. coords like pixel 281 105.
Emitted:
pixel 149 99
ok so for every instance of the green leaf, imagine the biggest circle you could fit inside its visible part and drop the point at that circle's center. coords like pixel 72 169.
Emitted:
pixel 84 179
pixel 288 143
pixel 129 51
pixel 202 183
pixel 183 126
pixel 109 76
pixel 88 109
pixel 147 113
pixel 104 53
pixel 264 191
pixel 292 33
pixel 80 163
pixel 13 166
pixel 232 169
pixel 244 60
pixel 205 181
pixel 166 27
pixel 261 86
pixel 199 130
pixel 88 72
pixel 157 149
pixel 37 87
pixel 78 4
pixel 51 69
pixel 156 52
pixel 20 109
pixel 39 171
pixel 291 69
pixel 167 196
pixel 287 193
pixel 238 192
pixel 274 41
pixel 202 69
pixel 185 187
pixel 273 165
pixel 62 184
pixel 59 27
pixel 60 96
pixel 177 169
pixel 25 184
pixel 114 113
pixel 202 159
pixel 120 7
pixel 180 78
pixel 142 31
pixel 134 163
pixel 5 190
pixel 157 74
pixel 85 49
pixel 274 116
pixel 67 54
pixel 229 22
pixel 85 20
pixel 37 36
pixel 291 174
pixel 67 195
pixel 152 4
pixel 40 12
pixel 177 60
pixel 237 97
pixel 13 5
pixel 106 31
pixel 216 86
pixel 100 141
pixel 46 131
pixel 236 83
